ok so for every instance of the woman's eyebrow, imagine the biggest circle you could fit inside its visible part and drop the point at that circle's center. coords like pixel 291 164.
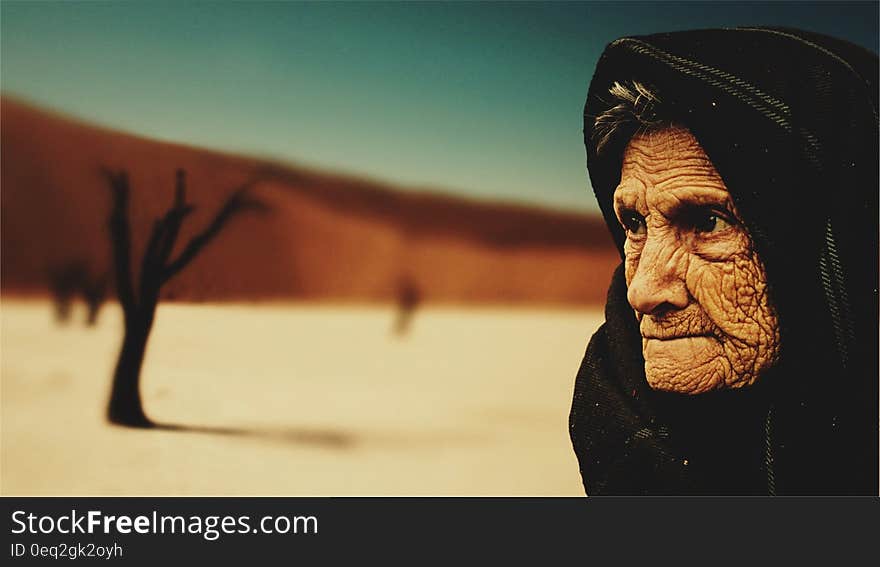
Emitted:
pixel 625 196
pixel 678 206
pixel 695 195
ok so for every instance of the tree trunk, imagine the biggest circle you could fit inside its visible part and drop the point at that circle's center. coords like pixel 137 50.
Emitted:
pixel 125 406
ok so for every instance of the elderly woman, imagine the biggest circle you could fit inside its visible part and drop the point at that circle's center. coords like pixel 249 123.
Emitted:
pixel 738 173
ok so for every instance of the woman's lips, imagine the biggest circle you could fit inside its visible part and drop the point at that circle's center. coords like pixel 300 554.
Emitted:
pixel 676 326
pixel 675 337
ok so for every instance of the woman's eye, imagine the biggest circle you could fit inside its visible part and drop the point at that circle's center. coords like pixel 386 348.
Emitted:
pixel 633 223
pixel 708 221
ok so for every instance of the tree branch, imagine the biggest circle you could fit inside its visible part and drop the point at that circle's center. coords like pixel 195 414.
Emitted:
pixel 151 266
pixel 120 235
pixel 175 217
pixel 237 203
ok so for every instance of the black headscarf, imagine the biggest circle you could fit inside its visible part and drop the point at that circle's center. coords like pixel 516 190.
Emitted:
pixel 789 119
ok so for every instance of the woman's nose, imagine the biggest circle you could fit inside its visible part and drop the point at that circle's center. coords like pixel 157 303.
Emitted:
pixel 658 283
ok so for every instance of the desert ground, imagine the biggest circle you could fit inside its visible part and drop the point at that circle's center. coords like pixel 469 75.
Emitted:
pixel 296 399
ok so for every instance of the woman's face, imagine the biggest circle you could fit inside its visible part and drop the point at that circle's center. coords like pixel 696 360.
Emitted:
pixel 696 284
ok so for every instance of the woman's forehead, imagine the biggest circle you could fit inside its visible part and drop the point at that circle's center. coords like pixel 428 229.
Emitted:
pixel 669 161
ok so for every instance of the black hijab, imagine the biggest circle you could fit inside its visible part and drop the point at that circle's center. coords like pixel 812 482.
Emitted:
pixel 789 119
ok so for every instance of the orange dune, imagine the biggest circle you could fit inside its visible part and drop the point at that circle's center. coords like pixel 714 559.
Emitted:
pixel 326 237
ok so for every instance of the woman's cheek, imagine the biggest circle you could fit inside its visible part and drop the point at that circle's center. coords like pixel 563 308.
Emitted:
pixel 720 248
pixel 630 263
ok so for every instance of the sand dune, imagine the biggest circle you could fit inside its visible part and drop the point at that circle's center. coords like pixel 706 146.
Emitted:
pixel 327 236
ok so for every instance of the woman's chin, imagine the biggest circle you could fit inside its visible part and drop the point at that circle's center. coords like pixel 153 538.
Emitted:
pixel 687 365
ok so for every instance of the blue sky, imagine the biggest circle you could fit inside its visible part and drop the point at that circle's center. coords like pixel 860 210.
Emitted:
pixel 479 99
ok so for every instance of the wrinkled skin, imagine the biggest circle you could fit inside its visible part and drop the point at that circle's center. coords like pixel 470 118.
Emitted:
pixel 694 280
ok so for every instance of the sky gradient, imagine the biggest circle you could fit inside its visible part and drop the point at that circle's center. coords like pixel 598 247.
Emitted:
pixel 483 100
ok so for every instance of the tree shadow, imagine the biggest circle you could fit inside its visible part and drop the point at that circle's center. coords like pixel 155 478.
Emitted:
pixel 326 438
pixel 334 439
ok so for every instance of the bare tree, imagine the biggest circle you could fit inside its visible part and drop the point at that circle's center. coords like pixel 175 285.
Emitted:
pixel 72 280
pixel 94 292
pixel 157 267
pixel 64 283
pixel 408 298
